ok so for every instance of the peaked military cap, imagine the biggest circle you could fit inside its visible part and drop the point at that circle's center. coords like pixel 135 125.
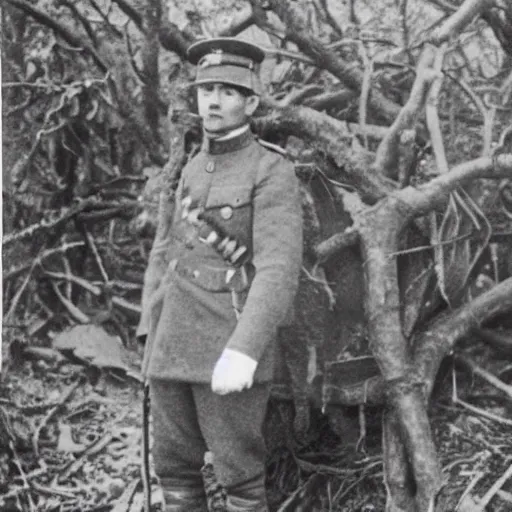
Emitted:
pixel 227 60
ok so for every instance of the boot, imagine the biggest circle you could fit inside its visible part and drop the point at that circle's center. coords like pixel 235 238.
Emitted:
pixel 184 499
pixel 250 500
pixel 181 500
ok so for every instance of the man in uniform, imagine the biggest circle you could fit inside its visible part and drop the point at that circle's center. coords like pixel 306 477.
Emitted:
pixel 220 282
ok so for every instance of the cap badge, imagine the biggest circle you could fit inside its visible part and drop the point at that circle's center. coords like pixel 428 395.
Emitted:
pixel 211 59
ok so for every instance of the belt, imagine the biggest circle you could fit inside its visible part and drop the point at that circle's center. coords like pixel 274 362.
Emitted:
pixel 231 279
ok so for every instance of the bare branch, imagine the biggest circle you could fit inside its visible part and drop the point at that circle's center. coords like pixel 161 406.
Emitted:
pixel 405 29
pixel 92 246
pixel 114 30
pixel 298 95
pixel 97 291
pixel 333 137
pixel 324 250
pixel 365 90
pixel 239 22
pixel 327 58
pixel 433 123
pixel 330 19
pixel 479 104
pixel 75 312
pixel 386 160
pixel 173 40
pixel 408 157
pixel 484 501
pixel 150 54
pixel 14 272
pixel 488 114
pixel 137 72
pixel 335 99
pixel 501 341
pixel 131 13
pixel 426 197
pixel 290 119
pixel 440 337
pixel 474 368
pixel 19 292
pixel 501 25
pixel 56 218
pixel 444 5
pixel 469 10
pixel 287 54
pixel 82 19
pixel 61 30
pixel 399 483
pixel 74 279
pixel 434 342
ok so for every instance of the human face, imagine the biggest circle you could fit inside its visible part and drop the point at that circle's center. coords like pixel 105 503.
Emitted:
pixel 223 108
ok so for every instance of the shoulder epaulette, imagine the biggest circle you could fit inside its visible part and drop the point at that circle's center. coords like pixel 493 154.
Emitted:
pixel 273 147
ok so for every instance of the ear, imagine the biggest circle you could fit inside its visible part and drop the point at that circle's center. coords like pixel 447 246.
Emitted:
pixel 251 104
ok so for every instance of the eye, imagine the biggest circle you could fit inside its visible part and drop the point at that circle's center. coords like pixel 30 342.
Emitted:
pixel 229 91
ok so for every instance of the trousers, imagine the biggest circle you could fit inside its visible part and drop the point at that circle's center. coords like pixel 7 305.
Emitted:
pixel 188 420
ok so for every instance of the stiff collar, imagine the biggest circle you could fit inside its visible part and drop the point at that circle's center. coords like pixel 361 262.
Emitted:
pixel 228 144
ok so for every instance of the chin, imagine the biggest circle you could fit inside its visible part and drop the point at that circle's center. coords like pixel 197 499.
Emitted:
pixel 215 127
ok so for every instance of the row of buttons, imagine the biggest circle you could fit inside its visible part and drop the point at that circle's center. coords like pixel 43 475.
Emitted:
pixel 226 212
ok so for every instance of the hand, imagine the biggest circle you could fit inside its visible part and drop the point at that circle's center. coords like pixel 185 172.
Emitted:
pixel 234 371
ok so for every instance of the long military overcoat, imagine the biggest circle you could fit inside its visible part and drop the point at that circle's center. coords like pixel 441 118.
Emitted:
pixel 188 314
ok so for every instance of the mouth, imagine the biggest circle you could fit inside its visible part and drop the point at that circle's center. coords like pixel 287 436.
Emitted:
pixel 212 115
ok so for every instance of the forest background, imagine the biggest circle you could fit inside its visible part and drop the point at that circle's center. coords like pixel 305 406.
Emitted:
pixel 397 114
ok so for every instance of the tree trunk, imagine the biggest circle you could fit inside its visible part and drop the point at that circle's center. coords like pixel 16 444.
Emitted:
pixel 380 229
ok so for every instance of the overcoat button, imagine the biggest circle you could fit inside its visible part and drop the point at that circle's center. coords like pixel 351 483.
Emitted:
pixel 210 167
pixel 226 212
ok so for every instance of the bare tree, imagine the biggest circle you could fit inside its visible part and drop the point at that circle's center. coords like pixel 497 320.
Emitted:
pixel 375 131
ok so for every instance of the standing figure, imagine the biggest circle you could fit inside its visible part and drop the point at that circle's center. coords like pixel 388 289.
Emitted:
pixel 218 286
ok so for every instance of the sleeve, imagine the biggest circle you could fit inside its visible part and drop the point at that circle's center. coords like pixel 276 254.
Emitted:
pixel 158 257
pixel 277 258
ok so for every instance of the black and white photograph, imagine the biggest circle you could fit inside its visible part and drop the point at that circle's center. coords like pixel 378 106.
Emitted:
pixel 256 256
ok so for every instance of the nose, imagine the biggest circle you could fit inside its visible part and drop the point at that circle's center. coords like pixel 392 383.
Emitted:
pixel 215 97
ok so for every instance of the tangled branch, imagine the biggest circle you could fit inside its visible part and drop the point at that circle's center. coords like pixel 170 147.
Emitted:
pixel 57 218
pixel 61 30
